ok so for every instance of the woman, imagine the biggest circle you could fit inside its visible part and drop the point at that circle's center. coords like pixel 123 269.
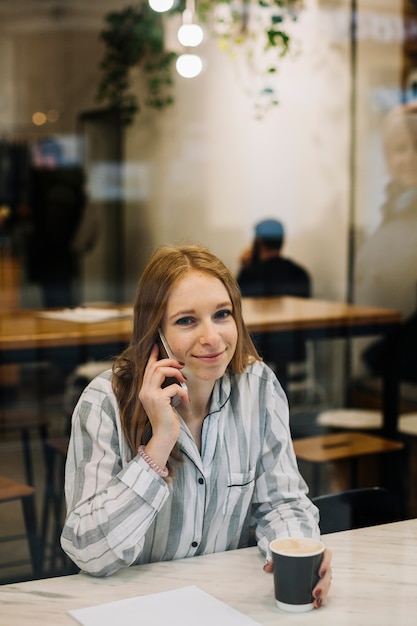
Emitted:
pixel 158 472
pixel 386 264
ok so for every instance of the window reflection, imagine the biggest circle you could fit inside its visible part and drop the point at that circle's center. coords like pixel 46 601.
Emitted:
pixel 387 261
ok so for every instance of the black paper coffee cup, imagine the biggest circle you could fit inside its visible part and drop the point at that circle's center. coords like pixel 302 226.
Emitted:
pixel 296 571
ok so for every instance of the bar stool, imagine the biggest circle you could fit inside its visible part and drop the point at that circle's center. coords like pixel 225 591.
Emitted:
pixel 337 446
pixel 356 419
pixel 407 424
pixel 11 490
pixel 55 457
pixel 80 377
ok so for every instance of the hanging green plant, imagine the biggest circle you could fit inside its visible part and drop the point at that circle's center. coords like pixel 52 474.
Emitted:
pixel 254 33
pixel 233 23
pixel 134 38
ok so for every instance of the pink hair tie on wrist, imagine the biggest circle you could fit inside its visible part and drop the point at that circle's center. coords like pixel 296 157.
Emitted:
pixel 163 473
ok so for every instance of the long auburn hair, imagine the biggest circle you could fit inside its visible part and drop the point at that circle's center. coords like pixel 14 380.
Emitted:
pixel 166 267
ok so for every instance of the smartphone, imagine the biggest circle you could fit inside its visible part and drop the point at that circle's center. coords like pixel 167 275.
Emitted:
pixel 165 352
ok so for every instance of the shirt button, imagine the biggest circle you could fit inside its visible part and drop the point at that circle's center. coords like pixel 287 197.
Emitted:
pixel 201 481
pixel 194 544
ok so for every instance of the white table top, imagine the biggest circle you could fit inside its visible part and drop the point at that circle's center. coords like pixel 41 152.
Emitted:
pixel 374 583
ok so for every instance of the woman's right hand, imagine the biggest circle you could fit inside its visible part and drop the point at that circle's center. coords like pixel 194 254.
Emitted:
pixel 246 257
pixel 156 401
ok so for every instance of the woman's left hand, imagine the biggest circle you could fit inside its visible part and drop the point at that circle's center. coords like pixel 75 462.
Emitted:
pixel 321 590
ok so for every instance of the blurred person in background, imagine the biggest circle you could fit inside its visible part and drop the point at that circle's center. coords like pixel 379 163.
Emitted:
pixel 61 226
pixel 266 272
pixel 386 266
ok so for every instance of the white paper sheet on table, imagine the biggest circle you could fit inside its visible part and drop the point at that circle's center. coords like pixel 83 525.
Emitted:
pixel 186 606
pixel 86 314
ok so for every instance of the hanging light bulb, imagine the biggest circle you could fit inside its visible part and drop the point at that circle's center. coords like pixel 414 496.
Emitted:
pixel 160 6
pixel 189 34
pixel 189 65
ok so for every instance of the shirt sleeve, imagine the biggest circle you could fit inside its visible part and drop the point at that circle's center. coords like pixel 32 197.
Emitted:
pixel 111 501
pixel 281 505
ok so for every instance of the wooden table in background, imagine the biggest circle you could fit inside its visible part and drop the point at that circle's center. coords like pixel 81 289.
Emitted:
pixel 319 319
pixel 24 331
pixel 316 318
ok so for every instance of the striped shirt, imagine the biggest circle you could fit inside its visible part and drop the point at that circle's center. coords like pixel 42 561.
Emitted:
pixel 120 512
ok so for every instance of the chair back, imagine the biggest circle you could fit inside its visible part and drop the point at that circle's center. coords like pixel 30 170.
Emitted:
pixel 356 508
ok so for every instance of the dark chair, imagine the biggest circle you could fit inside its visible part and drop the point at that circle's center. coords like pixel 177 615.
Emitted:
pixel 10 491
pixel 55 457
pixel 24 422
pixel 356 508
pixel 54 560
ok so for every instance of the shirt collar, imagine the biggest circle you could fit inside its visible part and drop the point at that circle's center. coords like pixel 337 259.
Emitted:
pixel 221 393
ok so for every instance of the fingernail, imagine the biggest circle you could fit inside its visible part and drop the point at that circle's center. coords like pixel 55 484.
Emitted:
pixel 181 363
pixel 323 573
pixel 318 601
